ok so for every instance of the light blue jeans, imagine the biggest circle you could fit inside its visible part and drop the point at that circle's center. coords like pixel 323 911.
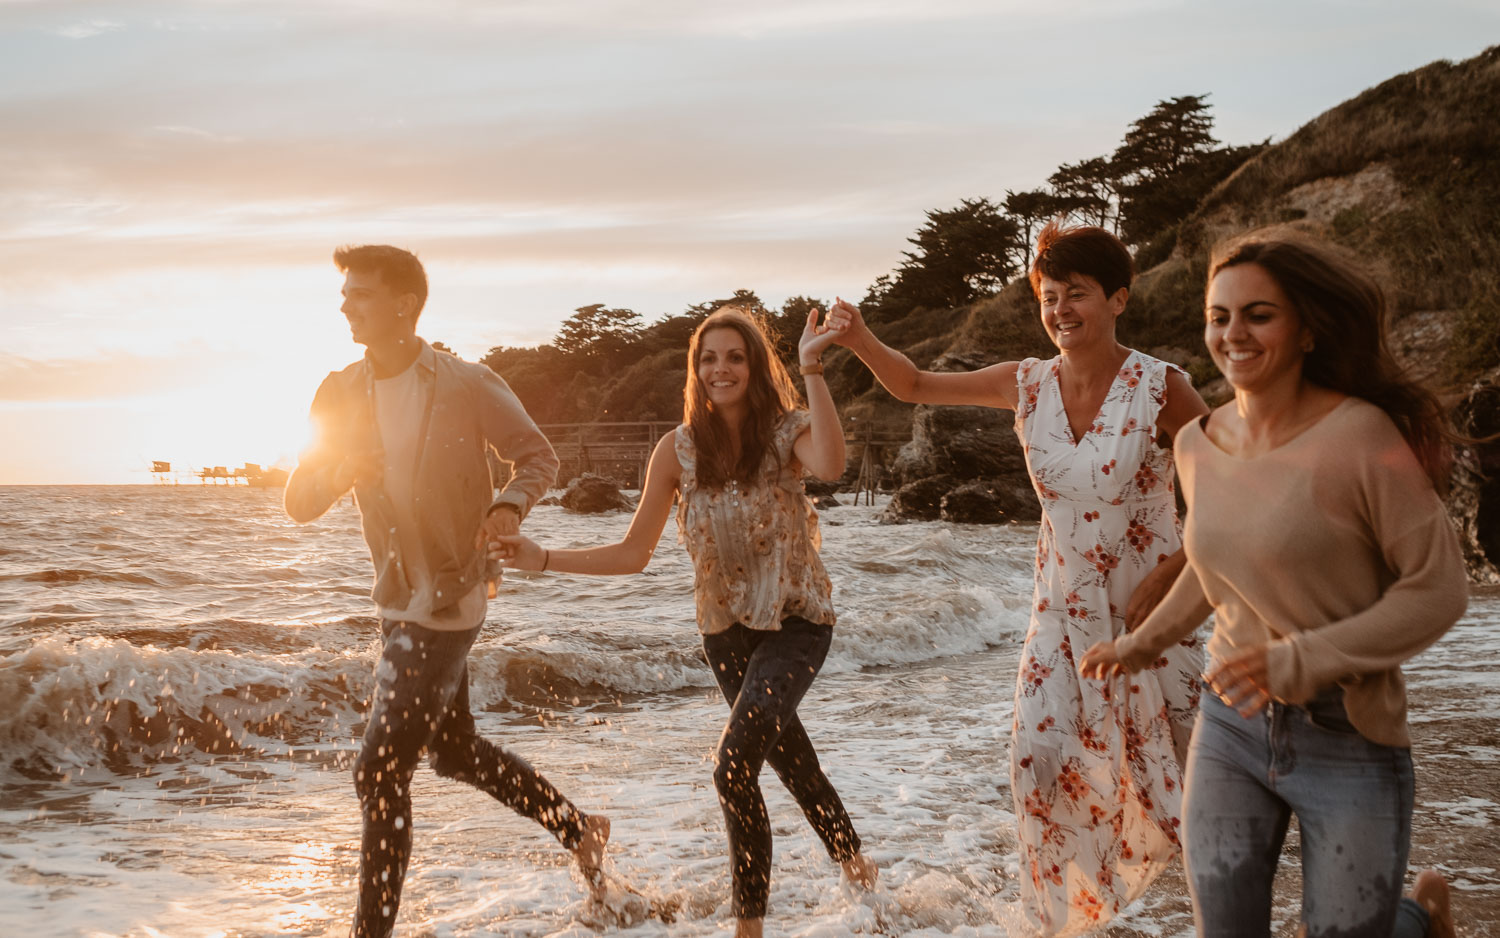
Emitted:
pixel 1353 802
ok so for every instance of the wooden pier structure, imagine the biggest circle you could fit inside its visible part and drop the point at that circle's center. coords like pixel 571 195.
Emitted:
pixel 251 474
pixel 621 450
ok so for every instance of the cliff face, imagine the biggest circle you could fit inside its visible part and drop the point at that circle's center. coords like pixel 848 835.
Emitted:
pixel 1407 175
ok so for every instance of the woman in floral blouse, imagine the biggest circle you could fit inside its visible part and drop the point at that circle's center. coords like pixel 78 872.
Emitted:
pixel 763 596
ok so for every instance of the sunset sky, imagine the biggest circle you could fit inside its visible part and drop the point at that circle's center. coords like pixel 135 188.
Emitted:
pixel 175 175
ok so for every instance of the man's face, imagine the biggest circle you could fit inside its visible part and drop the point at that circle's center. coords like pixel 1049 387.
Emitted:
pixel 375 312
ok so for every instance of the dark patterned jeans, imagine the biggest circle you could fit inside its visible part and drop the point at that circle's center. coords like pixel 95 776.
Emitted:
pixel 763 676
pixel 422 702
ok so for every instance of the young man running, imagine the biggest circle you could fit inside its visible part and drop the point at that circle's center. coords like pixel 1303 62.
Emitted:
pixel 409 429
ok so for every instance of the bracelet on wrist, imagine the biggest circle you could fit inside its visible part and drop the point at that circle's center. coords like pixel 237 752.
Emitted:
pixel 816 368
pixel 546 558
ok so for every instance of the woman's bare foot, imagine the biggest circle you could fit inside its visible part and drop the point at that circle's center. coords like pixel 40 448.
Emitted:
pixel 861 870
pixel 748 927
pixel 590 851
pixel 1431 892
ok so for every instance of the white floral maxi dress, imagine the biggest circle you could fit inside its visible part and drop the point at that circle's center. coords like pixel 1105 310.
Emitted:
pixel 1095 765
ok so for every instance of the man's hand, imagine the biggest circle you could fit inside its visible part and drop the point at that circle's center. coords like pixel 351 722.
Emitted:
pixel 504 520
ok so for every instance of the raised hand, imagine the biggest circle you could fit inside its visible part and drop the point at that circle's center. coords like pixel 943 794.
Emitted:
pixel 815 338
pixel 847 322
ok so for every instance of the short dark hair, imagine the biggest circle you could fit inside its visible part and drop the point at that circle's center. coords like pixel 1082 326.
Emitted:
pixel 400 270
pixel 1081 249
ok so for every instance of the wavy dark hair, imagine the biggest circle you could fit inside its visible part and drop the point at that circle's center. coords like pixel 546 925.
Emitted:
pixel 771 395
pixel 1345 310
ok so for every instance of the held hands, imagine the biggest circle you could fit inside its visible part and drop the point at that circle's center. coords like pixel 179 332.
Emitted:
pixel 1243 681
pixel 520 553
pixel 849 323
pixel 1109 659
pixel 816 338
pixel 502 521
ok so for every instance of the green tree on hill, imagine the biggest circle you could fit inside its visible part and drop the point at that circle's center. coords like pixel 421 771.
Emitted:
pixel 1030 210
pixel 1168 162
pixel 598 332
pixel 962 254
pixel 1176 132
pixel 1088 189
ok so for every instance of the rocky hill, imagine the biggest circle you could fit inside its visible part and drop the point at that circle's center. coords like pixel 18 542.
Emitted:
pixel 1407 174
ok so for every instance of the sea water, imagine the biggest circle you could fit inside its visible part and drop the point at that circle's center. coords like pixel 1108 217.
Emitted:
pixel 184 675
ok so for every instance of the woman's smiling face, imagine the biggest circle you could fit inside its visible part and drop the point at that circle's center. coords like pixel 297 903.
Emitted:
pixel 1075 312
pixel 1252 330
pixel 724 367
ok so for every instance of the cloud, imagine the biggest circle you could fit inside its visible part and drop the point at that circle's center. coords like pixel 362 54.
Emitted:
pixel 109 377
pixel 90 28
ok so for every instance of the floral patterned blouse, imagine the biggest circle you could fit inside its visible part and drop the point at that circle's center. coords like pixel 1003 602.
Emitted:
pixel 754 547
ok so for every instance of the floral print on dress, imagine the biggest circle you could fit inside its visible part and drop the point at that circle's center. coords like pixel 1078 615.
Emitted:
pixel 1095 765
pixel 755 546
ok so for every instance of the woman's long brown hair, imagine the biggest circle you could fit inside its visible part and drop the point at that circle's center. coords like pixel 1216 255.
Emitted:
pixel 770 395
pixel 1345 310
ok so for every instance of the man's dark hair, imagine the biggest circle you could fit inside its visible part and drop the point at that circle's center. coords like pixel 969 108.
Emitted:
pixel 400 270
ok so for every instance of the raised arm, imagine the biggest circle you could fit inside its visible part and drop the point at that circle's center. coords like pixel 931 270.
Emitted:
pixel 820 448
pixel 627 556
pixel 994 386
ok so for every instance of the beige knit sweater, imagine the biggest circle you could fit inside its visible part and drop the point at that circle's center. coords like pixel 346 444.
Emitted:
pixel 1333 548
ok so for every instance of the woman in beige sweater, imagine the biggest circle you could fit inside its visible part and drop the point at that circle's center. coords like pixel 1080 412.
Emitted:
pixel 1316 537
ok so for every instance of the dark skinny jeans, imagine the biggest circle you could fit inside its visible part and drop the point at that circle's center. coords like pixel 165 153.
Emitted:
pixel 422 701
pixel 764 675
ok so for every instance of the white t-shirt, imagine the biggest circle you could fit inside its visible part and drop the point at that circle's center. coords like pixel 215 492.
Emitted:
pixel 400 404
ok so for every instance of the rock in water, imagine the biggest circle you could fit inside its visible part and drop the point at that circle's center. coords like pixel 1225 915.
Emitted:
pixel 590 494
pixel 988 501
pixel 962 442
pixel 815 487
pixel 918 501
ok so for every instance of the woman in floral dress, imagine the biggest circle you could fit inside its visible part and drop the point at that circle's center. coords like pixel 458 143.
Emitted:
pixel 1095 768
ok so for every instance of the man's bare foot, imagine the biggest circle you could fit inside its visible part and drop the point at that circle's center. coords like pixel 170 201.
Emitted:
pixel 748 927
pixel 590 851
pixel 861 870
pixel 1431 892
